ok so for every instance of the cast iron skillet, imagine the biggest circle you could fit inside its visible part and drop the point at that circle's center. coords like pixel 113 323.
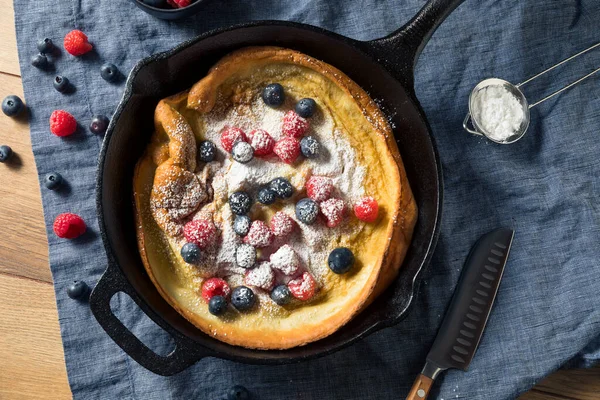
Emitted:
pixel 383 67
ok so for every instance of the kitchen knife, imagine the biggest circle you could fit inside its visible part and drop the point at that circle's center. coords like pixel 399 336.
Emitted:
pixel 462 327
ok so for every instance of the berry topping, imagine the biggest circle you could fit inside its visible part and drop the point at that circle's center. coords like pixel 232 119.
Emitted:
pixel 215 287
pixel 310 147
pixel 333 210
pixel 12 105
pixel 306 107
pixel 259 235
pixel 109 72
pixel 207 151
pixel 303 287
pixel 217 305
pixel 243 298
pixel 282 187
pixel 282 224
pixel 5 153
pixel 242 152
pixel 241 224
pixel 366 209
pixel 77 290
pixel 266 196
pixel 99 124
pixel 261 277
pixel 245 256
pixel 281 295
pixel 294 125
pixel 319 188
pixel 201 232
pixel 61 84
pixel 68 226
pixel 238 392
pixel 286 260
pixel 179 3
pixel 229 136
pixel 240 203
pixel 190 252
pixel 307 211
pixel 340 260
pixel 261 141
pixel 62 123
pixel 45 45
pixel 53 180
pixel 39 61
pixel 287 149
pixel 76 43
pixel 273 95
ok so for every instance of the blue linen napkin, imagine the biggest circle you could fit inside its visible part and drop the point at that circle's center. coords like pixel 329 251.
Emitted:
pixel 546 187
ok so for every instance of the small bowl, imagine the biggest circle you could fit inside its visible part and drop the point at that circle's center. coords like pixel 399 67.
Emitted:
pixel 170 13
pixel 515 91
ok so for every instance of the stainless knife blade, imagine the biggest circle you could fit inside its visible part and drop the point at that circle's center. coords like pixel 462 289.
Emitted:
pixel 461 330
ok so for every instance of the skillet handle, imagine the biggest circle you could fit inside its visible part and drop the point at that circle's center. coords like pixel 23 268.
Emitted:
pixel 184 355
pixel 400 50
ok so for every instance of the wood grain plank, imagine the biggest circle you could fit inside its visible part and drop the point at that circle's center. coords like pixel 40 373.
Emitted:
pixel 580 384
pixel 23 246
pixel 534 394
pixel 9 60
pixel 32 364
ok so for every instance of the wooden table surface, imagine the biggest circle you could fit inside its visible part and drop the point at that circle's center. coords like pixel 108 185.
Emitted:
pixel 31 354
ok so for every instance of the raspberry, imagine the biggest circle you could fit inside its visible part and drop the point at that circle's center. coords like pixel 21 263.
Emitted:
pixel 215 287
pixel 333 210
pixel 286 260
pixel 76 43
pixel 200 231
pixel 179 3
pixel 287 149
pixel 366 209
pixel 294 125
pixel 259 235
pixel 261 141
pixel 229 136
pixel 69 226
pixel 319 188
pixel 261 277
pixel 282 224
pixel 62 123
pixel 304 287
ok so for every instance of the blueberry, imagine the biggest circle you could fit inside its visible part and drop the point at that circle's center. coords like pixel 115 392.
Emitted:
pixel 245 256
pixel 53 180
pixel 240 203
pixel 155 3
pixel 238 392
pixel 12 105
pixel 309 147
pixel 242 152
pixel 5 153
pixel 45 46
pixel 307 210
pixel 207 151
pixel 61 84
pixel 190 252
pixel 109 72
pixel 273 95
pixel 39 61
pixel 340 260
pixel 77 290
pixel 306 107
pixel 99 124
pixel 281 295
pixel 242 298
pixel 241 224
pixel 266 196
pixel 282 187
pixel 217 305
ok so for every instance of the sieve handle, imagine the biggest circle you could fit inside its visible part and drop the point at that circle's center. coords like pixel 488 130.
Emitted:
pixel 466 126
